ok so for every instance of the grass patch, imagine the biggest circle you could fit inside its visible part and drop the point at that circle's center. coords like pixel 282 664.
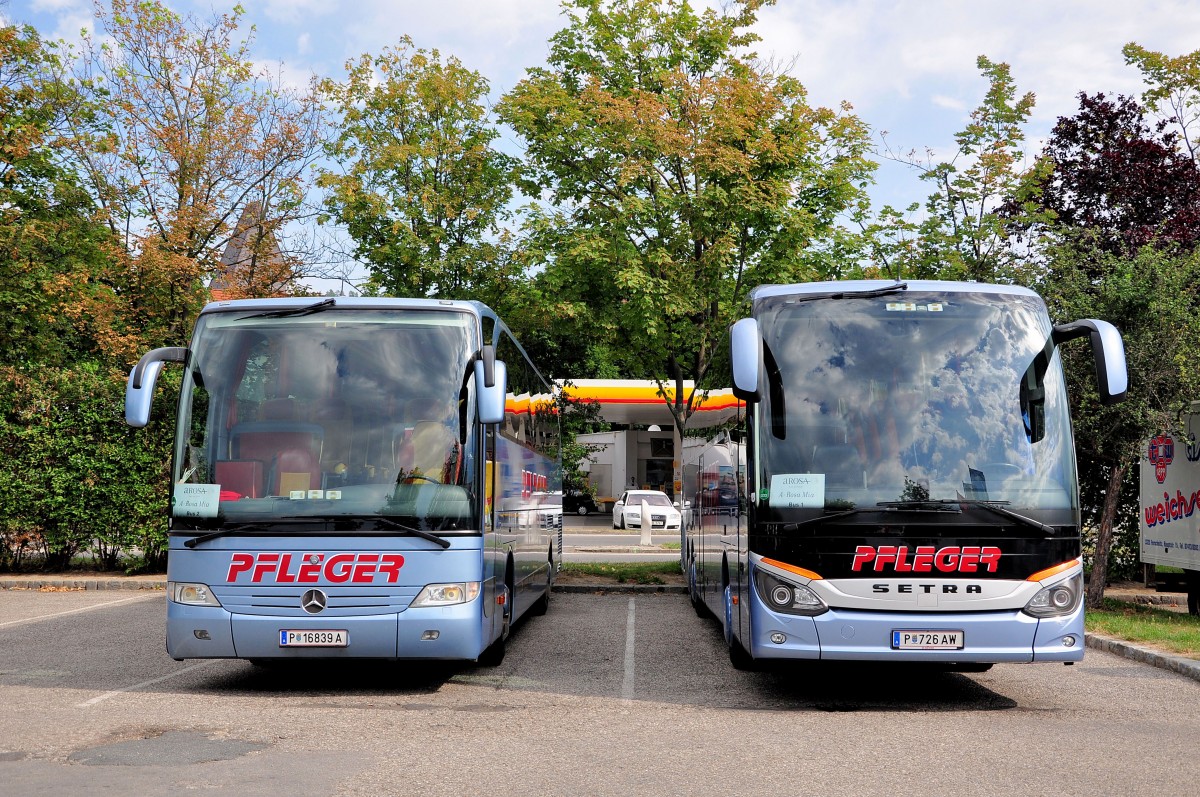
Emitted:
pixel 625 573
pixel 671 546
pixel 1170 631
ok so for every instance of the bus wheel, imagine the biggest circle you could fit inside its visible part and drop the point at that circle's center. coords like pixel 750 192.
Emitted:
pixel 493 655
pixel 738 657
pixel 542 604
pixel 694 592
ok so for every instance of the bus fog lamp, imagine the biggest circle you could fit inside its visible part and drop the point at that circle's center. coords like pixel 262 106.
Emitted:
pixel 1068 641
pixel 778 638
pixel 430 635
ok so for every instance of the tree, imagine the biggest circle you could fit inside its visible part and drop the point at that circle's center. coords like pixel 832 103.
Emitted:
pixel 422 190
pixel 677 172
pixel 1174 83
pixel 53 251
pixel 1152 296
pixel 966 231
pixel 1117 202
pixel 184 135
pixel 1105 170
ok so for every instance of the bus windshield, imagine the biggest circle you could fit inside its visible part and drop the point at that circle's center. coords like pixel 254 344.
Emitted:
pixel 340 420
pixel 912 401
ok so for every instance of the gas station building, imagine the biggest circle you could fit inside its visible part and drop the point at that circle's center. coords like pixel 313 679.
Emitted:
pixel 646 451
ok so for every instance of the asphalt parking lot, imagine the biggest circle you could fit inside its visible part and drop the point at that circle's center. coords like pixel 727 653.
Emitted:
pixel 606 694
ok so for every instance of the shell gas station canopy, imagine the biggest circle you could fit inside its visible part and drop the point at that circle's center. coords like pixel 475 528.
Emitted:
pixel 633 402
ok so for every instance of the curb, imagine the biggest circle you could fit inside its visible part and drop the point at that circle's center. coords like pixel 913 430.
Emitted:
pixel 1189 668
pixel 82 583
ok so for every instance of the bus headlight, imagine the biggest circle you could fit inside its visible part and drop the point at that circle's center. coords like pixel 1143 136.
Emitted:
pixel 1058 599
pixel 446 594
pixel 191 594
pixel 786 597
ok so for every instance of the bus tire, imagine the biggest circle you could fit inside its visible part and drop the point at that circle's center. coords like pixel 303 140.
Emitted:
pixel 739 658
pixel 542 604
pixel 694 592
pixel 493 654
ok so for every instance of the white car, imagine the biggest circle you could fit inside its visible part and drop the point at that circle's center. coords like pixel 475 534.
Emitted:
pixel 627 512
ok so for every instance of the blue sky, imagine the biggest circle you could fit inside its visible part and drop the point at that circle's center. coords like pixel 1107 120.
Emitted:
pixel 908 68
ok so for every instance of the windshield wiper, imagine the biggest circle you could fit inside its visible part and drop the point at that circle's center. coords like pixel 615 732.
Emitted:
pixel 238 528
pixel 257 525
pixel 884 291
pixel 425 535
pixel 953 504
pixel 233 528
pixel 822 518
pixel 296 311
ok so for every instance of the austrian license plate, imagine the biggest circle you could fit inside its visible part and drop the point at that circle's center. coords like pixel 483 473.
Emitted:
pixel 927 640
pixel 317 638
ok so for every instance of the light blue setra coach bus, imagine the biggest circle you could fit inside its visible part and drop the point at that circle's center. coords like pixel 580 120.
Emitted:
pixel 901 485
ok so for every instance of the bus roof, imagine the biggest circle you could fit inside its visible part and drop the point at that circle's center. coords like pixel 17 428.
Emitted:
pixel 851 286
pixel 348 302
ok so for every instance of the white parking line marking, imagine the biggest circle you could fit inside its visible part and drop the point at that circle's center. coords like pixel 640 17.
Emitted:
pixel 135 687
pixel 627 684
pixel 39 618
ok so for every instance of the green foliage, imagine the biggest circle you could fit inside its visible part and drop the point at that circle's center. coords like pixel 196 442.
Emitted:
pixel 1152 296
pixel 1172 631
pixel 965 232
pixel 421 189
pixel 74 478
pixel 678 173
pixel 626 573
pixel 1174 88
pixel 52 249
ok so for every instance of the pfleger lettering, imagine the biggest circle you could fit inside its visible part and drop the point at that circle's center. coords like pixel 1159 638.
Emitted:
pixel 341 568
pixel 927 559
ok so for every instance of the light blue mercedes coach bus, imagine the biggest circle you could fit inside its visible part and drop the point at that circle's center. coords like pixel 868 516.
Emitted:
pixel 905 484
pixel 354 478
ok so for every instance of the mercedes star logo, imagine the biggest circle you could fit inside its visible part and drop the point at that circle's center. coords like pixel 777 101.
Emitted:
pixel 313 601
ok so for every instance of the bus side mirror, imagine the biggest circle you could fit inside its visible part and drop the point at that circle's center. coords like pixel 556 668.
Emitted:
pixel 1108 349
pixel 139 390
pixel 745 356
pixel 490 393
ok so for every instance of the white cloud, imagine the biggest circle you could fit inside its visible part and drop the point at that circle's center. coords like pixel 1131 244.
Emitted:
pixel 950 103
pixel 906 67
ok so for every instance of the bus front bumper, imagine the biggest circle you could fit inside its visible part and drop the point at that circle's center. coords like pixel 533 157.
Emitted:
pixel 202 632
pixel 852 635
